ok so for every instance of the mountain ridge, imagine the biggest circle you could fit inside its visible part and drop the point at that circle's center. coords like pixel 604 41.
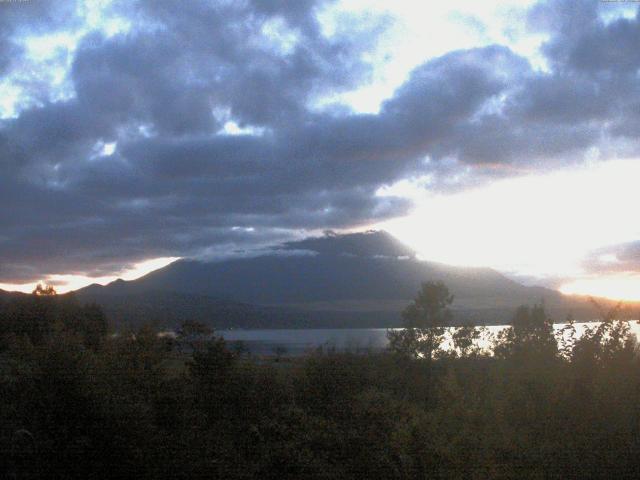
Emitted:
pixel 329 281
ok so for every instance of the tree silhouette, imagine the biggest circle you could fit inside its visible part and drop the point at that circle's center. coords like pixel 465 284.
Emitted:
pixel 531 333
pixel 425 322
pixel 193 334
pixel 46 290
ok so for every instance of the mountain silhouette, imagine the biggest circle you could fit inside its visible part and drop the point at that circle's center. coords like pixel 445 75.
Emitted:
pixel 349 280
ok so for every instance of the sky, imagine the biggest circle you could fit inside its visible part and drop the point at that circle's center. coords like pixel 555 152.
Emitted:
pixel 499 134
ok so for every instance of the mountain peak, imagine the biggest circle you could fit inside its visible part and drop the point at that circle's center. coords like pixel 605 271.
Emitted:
pixel 372 243
pixel 345 280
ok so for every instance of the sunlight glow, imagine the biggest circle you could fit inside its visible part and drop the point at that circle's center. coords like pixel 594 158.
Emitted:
pixel 540 226
pixel 419 31
pixel 624 286
pixel 66 283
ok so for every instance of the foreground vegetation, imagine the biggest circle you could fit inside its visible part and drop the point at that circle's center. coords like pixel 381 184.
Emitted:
pixel 78 402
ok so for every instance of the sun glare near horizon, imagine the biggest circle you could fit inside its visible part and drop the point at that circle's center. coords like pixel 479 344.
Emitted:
pixel 67 283
pixel 542 227
pixel 624 286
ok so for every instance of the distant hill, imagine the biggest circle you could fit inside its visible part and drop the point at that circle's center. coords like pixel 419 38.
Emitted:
pixel 352 280
pixel 4 295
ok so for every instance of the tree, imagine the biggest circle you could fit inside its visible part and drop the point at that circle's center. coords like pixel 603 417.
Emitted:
pixel 425 322
pixel 193 334
pixel 44 291
pixel 465 340
pixel 610 337
pixel 531 334
pixel 94 325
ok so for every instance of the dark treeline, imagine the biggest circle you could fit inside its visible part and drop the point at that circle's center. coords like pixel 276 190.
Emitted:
pixel 79 402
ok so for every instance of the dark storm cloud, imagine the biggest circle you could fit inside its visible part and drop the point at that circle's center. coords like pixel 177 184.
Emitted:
pixel 177 185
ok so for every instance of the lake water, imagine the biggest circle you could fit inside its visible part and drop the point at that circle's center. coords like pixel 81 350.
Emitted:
pixel 295 342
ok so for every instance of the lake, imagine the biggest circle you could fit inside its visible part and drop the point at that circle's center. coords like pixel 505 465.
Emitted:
pixel 296 342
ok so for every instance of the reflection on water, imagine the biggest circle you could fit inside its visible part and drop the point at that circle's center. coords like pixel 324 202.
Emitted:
pixel 295 342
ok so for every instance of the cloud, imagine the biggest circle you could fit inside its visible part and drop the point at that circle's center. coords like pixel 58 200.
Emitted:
pixel 18 19
pixel 364 244
pixel 175 183
pixel 613 259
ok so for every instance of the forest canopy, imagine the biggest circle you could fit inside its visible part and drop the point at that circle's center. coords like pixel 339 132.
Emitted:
pixel 79 402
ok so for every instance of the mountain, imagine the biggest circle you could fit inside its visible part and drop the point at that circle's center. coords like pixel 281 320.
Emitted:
pixel 5 295
pixel 358 279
